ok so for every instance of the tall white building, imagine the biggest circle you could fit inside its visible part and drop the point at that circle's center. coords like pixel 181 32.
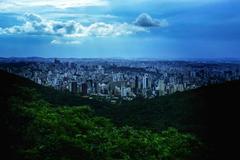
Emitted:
pixel 145 79
pixel 161 85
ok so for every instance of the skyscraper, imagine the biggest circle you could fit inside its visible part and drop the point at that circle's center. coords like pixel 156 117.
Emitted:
pixel 161 87
pixel 84 89
pixel 145 81
pixel 73 87
pixel 136 84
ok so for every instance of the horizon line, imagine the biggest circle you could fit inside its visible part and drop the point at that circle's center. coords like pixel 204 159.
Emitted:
pixel 122 58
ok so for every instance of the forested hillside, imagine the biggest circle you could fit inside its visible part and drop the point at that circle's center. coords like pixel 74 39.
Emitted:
pixel 42 123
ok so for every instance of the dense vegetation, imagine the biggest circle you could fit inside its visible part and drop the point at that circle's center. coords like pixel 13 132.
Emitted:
pixel 41 123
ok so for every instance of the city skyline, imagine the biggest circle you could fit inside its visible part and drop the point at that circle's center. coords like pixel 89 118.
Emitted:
pixel 166 29
pixel 114 79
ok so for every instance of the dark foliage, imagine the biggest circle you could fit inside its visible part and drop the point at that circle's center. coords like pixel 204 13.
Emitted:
pixel 36 125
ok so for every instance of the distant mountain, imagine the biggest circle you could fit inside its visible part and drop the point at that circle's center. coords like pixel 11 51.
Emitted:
pixel 118 59
pixel 25 59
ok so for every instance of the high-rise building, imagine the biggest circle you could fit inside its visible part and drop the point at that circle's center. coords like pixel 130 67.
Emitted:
pixel 145 81
pixel 95 87
pixel 123 91
pixel 161 87
pixel 73 87
pixel 136 85
pixel 149 83
pixel 90 85
pixel 136 82
pixel 84 89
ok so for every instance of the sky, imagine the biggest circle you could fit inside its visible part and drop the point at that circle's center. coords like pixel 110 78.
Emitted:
pixel 162 29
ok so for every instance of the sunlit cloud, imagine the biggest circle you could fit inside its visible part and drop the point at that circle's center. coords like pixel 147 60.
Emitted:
pixel 62 4
pixel 66 42
pixel 36 25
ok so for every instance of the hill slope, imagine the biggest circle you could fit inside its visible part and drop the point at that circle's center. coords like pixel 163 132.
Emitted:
pixel 209 112
pixel 34 128
pixel 194 110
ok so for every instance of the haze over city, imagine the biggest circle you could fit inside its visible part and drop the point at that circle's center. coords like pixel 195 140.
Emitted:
pixel 125 29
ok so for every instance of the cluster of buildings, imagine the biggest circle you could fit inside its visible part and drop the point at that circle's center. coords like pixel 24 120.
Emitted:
pixel 124 79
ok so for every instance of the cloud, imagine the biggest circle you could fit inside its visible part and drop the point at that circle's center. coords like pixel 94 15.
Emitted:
pixel 102 29
pixel 32 17
pixel 68 42
pixel 145 20
pixel 33 25
pixel 36 25
pixel 61 4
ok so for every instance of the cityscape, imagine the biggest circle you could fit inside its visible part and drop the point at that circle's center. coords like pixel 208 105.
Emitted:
pixel 114 79
pixel 119 79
